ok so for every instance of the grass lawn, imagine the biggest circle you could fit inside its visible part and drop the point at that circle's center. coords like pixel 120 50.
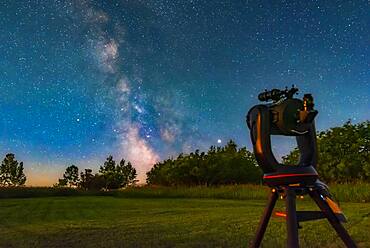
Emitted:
pixel 105 221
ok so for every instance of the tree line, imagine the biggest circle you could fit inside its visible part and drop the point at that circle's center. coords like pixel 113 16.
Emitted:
pixel 111 175
pixel 344 156
pixel 219 165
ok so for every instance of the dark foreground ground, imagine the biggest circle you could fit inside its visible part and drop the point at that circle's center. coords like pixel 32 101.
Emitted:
pixel 97 221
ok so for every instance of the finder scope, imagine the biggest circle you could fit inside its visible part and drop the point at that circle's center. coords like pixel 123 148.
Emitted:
pixel 276 94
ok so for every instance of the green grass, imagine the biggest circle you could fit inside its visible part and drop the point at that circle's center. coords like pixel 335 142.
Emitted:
pixel 354 192
pixel 97 221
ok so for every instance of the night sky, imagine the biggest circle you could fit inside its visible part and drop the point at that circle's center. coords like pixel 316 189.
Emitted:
pixel 145 80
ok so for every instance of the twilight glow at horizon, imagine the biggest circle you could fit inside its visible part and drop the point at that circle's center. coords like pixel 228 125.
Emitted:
pixel 145 80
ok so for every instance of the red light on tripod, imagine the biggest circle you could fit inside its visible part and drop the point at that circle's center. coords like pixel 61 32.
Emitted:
pixel 280 214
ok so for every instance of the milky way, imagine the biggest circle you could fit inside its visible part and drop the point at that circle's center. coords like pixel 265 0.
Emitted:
pixel 144 80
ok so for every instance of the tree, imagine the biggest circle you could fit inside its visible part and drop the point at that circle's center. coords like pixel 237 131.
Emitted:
pixel 109 165
pixel 86 179
pixel 61 183
pixel 11 173
pixel 71 175
pixel 108 170
pixel 117 176
pixel 126 172
pixel 97 182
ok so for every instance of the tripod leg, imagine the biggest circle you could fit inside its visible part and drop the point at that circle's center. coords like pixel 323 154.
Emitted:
pixel 330 215
pixel 292 223
pixel 265 219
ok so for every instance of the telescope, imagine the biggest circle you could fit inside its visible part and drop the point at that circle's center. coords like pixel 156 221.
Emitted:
pixel 282 114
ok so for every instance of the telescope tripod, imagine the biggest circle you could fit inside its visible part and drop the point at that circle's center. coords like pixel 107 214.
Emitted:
pixel 293 217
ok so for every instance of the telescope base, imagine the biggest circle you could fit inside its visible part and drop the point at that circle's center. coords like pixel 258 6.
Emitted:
pixel 293 217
